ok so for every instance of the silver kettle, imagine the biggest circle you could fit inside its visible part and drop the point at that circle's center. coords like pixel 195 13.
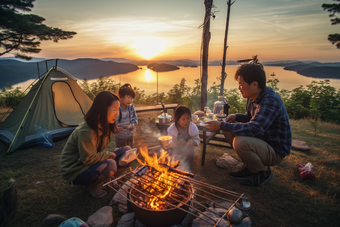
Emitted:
pixel 221 106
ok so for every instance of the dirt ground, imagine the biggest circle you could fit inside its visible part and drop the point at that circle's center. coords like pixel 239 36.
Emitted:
pixel 287 200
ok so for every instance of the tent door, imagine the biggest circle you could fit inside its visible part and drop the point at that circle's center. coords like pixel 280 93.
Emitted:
pixel 67 109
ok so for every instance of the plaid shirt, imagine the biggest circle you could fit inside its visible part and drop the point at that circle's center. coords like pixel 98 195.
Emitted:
pixel 266 118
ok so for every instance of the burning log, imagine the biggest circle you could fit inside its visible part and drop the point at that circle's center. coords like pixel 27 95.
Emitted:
pixel 173 164
pixel 181 172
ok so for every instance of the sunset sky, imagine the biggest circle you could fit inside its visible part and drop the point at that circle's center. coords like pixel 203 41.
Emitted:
pixel 168 29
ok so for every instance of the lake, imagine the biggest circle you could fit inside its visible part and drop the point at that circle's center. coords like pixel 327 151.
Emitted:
pixel 146 79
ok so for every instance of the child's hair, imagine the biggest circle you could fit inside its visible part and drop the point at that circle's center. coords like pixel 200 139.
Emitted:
pixel 179 111
pixel 126 89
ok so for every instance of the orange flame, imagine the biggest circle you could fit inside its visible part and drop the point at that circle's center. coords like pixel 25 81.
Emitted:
pixel 153 161
pixel 163 182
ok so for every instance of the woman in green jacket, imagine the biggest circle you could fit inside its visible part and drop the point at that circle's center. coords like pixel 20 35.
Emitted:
pixel 83 161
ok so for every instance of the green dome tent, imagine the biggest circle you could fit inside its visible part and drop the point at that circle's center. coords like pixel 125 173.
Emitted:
pixel 55 102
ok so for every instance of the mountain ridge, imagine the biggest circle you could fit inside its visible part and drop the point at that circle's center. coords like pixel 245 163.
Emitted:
pixel 15 71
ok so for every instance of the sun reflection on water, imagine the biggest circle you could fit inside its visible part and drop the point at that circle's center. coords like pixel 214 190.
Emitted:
pixel 148 75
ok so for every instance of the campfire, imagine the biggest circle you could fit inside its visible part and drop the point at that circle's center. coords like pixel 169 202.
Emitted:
pixel 159 191
pixel 157 187
pixel 161 195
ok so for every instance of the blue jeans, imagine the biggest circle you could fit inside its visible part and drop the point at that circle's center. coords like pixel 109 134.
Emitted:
pixel 91 174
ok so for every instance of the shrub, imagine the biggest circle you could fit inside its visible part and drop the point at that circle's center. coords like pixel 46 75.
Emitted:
pixel 10 97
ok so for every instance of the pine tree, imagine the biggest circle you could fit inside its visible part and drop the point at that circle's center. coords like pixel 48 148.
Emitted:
pixel 22 33
pixel 333 9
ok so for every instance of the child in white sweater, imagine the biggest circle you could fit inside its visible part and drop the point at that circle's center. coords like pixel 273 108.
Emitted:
pixel 185 135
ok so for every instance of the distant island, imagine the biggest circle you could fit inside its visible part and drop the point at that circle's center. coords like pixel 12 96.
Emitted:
pixel 316 69
pixel 192 66
pixel 15 71
pixel 162 67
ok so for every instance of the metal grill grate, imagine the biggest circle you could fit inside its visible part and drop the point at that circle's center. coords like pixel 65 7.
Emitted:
pixel 190 190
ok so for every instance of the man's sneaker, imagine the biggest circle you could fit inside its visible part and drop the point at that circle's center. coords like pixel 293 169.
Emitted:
pixel 241 174
pixel 258 179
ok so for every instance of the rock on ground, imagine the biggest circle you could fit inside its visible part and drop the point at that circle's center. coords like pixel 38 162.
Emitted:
pixel 246 222
pixel 120 198
pixel 102 218
pixel 139 224
pixel 127 220
pixel 228 162
pixel 300 145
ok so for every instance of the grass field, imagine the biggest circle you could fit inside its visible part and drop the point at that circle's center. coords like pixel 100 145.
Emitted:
pixel 285 201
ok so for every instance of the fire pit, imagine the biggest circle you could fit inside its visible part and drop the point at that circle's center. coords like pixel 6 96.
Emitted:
pixel 161 195
pixel 160 200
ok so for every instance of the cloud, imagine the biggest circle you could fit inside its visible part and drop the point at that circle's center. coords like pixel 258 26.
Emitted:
pixel 127 31
pixel 187 15
pixel 113 29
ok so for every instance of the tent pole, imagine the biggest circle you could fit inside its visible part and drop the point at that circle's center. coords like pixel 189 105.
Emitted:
pixel 27 112
pixel 38 70
pixel 56 64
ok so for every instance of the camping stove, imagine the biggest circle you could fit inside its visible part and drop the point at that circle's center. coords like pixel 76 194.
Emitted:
pixel 163 198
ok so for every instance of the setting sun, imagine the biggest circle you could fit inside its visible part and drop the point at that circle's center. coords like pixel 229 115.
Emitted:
pixel 148 47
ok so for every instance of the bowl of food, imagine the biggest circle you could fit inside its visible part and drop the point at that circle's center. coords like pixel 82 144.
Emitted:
pixel 199 113
pixel 165 141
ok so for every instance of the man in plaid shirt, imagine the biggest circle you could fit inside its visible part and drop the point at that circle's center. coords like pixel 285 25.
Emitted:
pixel 262 136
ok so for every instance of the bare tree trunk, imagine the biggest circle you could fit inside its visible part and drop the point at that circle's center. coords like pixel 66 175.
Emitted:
pixel 205 47
pixel 225 47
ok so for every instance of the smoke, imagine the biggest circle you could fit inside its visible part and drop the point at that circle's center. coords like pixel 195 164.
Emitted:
pixel 181 153
pixel 148 130
pixel 184 164
pixel 184 155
